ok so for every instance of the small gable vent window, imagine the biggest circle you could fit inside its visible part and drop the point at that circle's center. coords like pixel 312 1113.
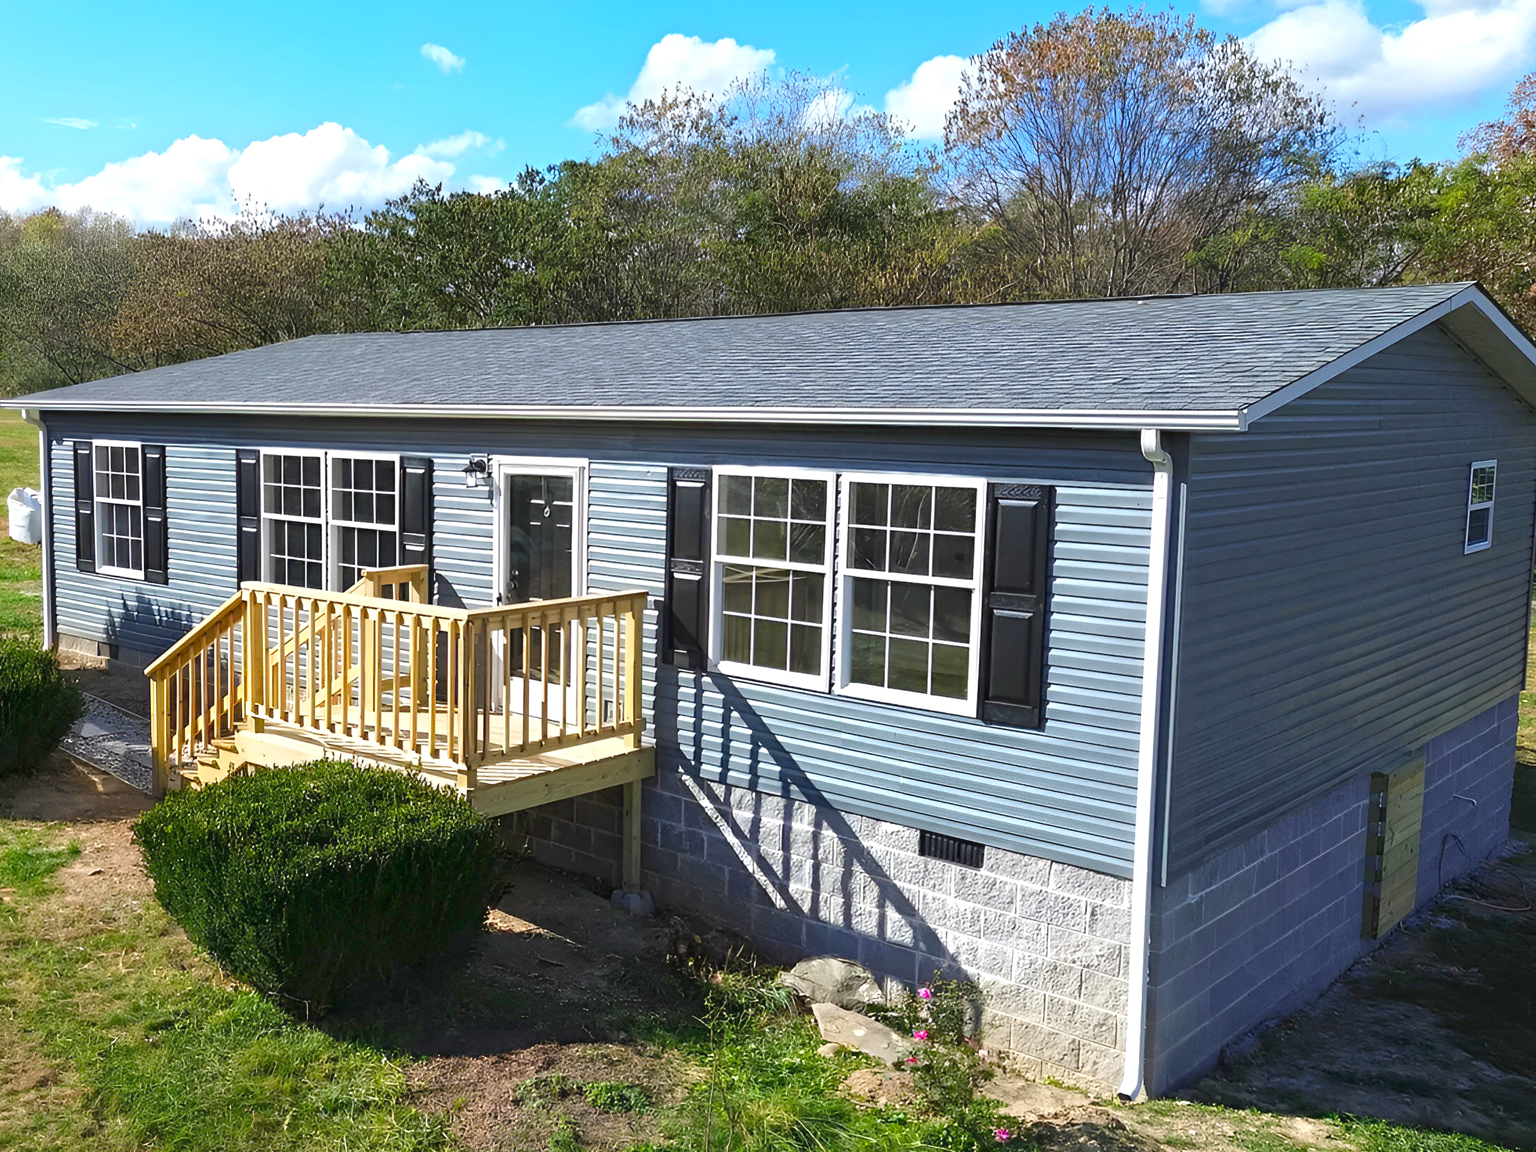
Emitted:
pixel 951 849
pixel 1480 505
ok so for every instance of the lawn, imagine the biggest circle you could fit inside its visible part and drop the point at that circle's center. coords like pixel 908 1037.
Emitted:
pixel 20 564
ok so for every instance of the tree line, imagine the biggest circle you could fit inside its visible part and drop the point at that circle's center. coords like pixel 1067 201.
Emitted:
pixel 1100 154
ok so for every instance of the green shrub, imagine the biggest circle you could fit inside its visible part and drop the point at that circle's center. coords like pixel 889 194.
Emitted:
pixel 305 881
pixel 38 703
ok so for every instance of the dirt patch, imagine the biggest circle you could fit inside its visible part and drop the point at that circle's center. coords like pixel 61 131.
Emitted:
pixel 114 682
pixel 71 791
pixel 515 1100
pixel 1434 1029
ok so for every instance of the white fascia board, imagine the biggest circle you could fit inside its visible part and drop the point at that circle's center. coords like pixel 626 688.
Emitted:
pixel 1471 296
pixel 1124 420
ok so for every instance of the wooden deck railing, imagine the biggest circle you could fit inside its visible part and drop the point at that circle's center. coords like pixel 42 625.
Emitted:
pixel 433 686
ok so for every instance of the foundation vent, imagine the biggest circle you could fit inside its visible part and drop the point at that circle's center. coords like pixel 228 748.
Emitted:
pixel 950 848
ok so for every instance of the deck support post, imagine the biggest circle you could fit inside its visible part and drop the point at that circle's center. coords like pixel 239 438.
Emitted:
pixel 631 870
pixel 160 775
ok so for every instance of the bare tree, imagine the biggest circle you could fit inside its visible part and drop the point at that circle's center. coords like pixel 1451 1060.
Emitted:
pixel 1099 150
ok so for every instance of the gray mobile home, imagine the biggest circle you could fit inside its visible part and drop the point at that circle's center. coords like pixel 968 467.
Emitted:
pixel 1145 660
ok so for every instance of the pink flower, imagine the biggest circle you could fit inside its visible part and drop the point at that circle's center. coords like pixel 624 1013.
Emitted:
pixel 911 1059
pixel 920 1034
pixel 1002 1135
pixel 925 993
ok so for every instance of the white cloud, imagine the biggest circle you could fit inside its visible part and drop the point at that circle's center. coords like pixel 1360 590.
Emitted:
pixel 677 61
pixel 69 122
pixel 484 184
pixel 187 179
pixel 922 102
pixel 328 165
pixel 443 58
pixel 19 193
pixel 1458 50
pixel 452 146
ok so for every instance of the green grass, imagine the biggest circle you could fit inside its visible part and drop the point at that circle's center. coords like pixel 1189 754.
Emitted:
pixel 20 564
pixel 1379 1136
pixel 152 1049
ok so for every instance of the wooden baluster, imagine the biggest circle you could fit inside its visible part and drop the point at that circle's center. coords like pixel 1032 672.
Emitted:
pixel 544 647
pixel 432 690
pixel 632 672
pixel 524 621
pixel 455 690
pixel 394 667
pixel 602 667
pixel 415 674
pixel 580 649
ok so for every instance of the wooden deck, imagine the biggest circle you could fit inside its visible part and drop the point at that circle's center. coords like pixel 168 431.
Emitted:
pixel 512 706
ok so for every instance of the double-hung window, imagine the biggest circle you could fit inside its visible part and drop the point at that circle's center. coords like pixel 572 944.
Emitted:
pixel 293 520
pixel 1479 531
pixel 865 585
pixel 911 577
pixel 326 517
pixel 364 515
pixel 118 488
pixel 773 579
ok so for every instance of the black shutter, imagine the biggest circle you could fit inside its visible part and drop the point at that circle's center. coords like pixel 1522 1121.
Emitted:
pixel 85 508
pixel 416 512
pixel 687 610
pixel 1013 620
pixel 156 547
pixel 247 514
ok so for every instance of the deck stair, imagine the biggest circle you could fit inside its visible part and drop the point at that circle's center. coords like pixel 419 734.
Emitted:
pixel 511 706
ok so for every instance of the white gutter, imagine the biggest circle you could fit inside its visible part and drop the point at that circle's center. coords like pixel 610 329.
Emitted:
pixel 1132 1078
pixel 1123 419
pixel 45 489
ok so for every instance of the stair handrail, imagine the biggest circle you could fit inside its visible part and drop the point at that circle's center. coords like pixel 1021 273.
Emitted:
pixel 186 714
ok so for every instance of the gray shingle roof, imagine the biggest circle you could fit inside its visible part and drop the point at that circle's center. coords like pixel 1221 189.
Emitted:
pixel 1192 354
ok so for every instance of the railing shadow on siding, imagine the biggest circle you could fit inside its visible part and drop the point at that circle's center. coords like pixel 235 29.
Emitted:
pixel 766 831
pixel 146 625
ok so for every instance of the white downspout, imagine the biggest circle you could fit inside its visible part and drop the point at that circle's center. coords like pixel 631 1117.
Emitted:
pixel 1131 1082
pixel 45 491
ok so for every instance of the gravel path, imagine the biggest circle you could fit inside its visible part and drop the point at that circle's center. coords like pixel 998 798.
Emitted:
pixel 114 740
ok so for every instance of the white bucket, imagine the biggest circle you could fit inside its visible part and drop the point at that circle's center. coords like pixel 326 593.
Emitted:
pixel 26 512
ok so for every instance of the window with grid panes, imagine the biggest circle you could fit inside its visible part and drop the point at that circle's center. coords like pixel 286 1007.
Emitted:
pixel 911 572
pixel 364 511
pixel 119 496
pixel 293 526
pixel 1479 534
pixel 772 561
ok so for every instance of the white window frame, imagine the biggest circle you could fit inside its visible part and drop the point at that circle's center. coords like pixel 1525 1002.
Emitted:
pixel 329 563
pixel 827 571
pixel 844 685
pixel 97 500
pixel 1466 526
pixel 333 525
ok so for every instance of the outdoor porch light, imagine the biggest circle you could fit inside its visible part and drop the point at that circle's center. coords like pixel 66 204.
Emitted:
pixel 477 473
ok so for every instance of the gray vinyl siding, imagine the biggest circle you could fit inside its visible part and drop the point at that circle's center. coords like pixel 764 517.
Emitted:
pixel 1066 792
pixel 1331 623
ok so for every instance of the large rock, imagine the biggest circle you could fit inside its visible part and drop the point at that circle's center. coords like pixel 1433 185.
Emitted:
pixel 828 980
pixel 855 1030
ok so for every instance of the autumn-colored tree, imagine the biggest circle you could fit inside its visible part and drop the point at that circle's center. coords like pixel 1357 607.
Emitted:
pixel 1512 137
pixel 211 286
pixel 1098 151
pixel 62 280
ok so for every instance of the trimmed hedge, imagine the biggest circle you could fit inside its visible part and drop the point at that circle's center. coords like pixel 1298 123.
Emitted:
pixel 305 881
pixel 38 703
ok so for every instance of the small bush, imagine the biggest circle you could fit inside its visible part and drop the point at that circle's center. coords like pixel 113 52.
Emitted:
pixel 38 703
pixel 616 1096
pixel 305 881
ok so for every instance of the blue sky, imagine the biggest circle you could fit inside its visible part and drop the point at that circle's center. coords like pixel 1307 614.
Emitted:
pixel 188 107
